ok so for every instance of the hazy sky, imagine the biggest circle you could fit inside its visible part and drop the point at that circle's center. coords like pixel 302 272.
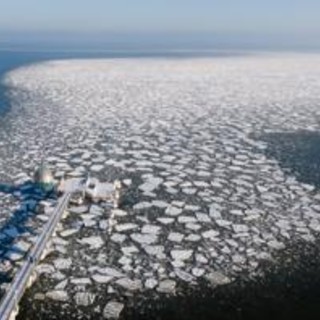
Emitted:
pixel 296 18
pixel 161 15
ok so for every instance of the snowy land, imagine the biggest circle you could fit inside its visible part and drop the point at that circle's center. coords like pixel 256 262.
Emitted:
pixel 204 201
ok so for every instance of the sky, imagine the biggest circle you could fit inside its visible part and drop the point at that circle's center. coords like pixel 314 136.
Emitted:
pixel 294 20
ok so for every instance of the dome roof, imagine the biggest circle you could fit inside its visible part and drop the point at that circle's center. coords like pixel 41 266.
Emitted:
pixel 43 175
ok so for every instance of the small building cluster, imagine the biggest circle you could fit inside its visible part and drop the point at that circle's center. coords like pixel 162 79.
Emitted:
pixel 89 188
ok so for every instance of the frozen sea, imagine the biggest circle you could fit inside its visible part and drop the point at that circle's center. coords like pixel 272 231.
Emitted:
pixel 219 156
pixel 16 57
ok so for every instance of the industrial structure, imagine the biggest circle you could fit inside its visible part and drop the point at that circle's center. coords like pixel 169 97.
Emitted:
pixel 70 190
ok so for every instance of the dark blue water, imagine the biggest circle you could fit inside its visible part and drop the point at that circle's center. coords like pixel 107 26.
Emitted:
pixel 13 59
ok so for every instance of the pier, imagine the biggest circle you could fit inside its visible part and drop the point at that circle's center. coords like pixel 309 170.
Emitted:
pixel 9 306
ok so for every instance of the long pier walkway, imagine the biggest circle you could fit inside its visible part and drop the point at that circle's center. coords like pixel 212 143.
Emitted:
pixel 26 275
